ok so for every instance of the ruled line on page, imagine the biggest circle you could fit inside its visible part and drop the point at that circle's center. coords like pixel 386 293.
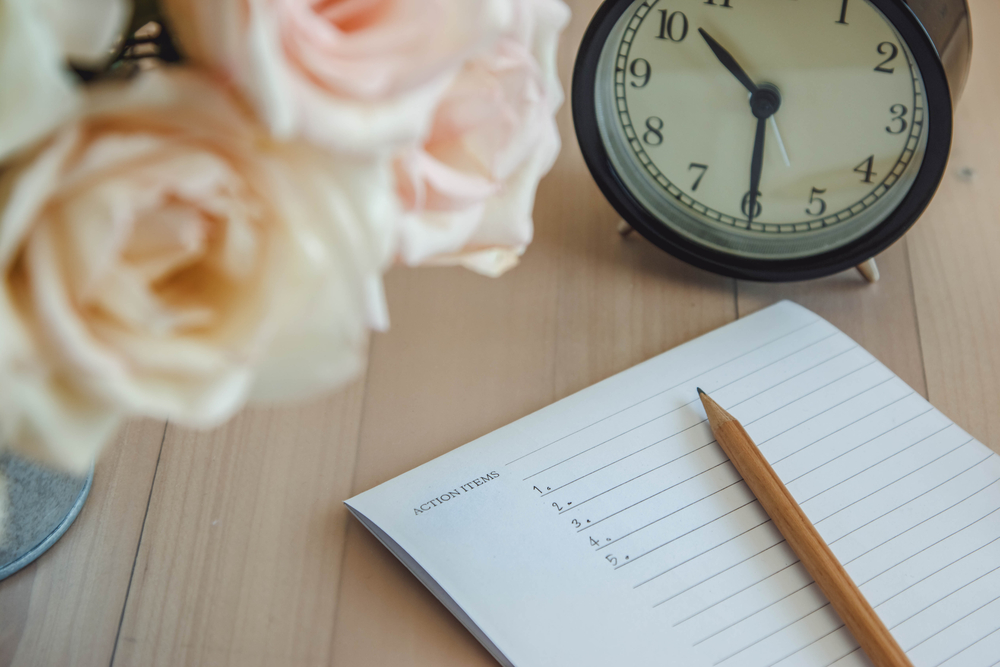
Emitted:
pixel 880 472
pixel 669 389
pixel 695 401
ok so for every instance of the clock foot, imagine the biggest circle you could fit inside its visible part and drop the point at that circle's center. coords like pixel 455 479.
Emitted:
pixel 869 270
pixel 624 229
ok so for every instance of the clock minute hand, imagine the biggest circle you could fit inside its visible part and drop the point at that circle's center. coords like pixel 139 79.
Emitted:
pixel 756 167
pixel 729 62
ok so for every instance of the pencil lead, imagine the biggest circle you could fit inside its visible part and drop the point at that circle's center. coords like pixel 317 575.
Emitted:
pixel 701 393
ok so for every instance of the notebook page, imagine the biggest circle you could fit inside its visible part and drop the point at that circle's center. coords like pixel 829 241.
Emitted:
pixel 611 526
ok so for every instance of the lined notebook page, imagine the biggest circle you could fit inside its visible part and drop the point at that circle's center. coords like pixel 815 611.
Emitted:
pixel 611 526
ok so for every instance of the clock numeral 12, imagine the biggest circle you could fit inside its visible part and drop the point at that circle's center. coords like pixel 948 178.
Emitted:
pixel 669 29
pixel 868 169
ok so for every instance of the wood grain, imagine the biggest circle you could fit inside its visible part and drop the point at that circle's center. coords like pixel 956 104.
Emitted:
pixel 64 608
pixel 241 554
pixel 953 252
pixel 285 578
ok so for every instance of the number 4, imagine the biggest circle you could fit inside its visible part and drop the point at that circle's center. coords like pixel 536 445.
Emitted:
pixel 868 169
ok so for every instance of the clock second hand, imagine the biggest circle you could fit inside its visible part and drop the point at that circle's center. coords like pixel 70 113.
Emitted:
pixel 777 135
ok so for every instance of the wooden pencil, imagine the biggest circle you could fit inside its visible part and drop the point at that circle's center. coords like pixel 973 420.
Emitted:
pixel 804 539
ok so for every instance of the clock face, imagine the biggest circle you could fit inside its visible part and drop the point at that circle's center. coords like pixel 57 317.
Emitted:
pixel 762 130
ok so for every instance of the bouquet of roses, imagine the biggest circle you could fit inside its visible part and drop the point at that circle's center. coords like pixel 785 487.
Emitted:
pixel 179 238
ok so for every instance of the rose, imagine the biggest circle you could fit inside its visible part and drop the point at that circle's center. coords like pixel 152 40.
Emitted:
pixel 37 91
pixel 355 75
pixel 163 256
pixel 469 190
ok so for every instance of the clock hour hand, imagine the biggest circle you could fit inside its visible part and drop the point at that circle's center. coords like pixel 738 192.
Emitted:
pixel 756 166
pixel 730 63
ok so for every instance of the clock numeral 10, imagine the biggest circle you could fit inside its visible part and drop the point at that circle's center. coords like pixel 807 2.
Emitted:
pixel 671 28
pixel 868 169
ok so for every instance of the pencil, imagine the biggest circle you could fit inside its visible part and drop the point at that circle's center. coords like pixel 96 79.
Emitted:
pixel 804 539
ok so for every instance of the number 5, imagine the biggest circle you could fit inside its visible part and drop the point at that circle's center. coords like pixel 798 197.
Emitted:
pixel 813 199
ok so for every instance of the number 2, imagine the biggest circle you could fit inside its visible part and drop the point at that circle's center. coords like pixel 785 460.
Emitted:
pixel 893 52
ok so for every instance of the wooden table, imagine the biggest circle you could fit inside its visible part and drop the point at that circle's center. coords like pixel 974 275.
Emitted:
pixel 233 548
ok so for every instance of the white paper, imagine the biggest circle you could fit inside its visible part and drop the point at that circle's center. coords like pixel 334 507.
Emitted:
pixel 610 528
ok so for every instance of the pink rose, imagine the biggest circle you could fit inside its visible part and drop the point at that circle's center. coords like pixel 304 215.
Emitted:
pixel 355 75
pixel 163 256
pixel 470 189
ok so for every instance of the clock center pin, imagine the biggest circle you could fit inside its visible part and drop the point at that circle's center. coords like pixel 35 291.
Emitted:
pixel 766 101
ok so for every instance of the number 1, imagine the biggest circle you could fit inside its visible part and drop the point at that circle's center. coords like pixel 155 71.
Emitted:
pixel 843 14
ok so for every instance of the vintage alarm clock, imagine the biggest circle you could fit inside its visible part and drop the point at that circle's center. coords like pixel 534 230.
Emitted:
pixel 771 139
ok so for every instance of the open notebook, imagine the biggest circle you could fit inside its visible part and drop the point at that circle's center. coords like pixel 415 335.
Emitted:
pixel 610 529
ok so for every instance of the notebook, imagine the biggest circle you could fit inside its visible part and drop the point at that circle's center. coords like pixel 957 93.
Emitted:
pixel 609 528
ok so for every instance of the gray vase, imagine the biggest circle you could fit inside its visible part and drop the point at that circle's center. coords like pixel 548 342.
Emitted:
pixel 42 504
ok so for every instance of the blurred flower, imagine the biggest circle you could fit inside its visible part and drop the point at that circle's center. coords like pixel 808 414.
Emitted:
pixel 470 189
pixel 354 75
pixel 162 256
pixel 37 90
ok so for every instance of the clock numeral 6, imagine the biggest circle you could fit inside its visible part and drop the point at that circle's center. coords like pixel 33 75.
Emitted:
pixel 890 49
pixel 643 72
pixel 758 209
pixel 654 131
pixel 814 201
pixel 899 112
pixel 671 28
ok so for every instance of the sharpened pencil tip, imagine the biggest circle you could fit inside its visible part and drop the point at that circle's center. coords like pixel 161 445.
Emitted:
pixel 701 393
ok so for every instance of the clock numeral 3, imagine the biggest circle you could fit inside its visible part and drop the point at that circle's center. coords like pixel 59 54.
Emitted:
pixel 654 131
pixel 644 74
pixel 899 112
pixel 671 28
pixel 758 209
pixel 867 168
pixel 703 168
pixel 813 201
pixel 890 49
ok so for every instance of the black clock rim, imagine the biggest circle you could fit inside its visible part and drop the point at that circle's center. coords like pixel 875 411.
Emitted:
pixel 937 96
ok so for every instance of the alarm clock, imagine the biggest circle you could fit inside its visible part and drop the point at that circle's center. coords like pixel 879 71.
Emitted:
pixel 771 140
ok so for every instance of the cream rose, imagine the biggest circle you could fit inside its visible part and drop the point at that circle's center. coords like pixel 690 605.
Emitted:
pixel 163 256
pixel 470 189
pixel 37 90
pixel 354 75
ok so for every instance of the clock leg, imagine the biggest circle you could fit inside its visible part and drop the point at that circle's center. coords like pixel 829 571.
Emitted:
pixel 869 270
pixel 624 229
